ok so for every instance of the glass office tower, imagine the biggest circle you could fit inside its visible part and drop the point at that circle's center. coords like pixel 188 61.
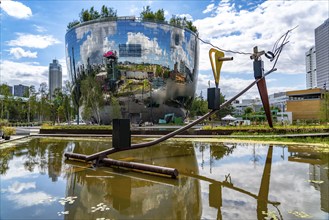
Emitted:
pixel 150 68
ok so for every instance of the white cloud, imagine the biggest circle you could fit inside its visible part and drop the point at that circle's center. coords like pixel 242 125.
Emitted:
pixel 187 16
pixel 18 53
pixel 16 9
pixel 150 47
pixel 39 28
pixel 18 187
pixel 65 75
pixel 30 199
pixel 33 41
pixel 243 30
pixel 23 73
pixel 209 8
pixel 134 9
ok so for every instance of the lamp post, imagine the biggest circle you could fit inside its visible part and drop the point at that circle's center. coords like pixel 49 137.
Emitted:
pixel 282 110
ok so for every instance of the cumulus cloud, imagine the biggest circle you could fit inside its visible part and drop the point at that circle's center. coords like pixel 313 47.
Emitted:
pixel 209 8
pixel 149 46
pixel 18 187
pixel 97 41
pixel 18 53
pixel 16 9
pixel 65 75
pixel 242 30
pixel 187 16
pixel 30 199
pixel 33 41
pixel 13 72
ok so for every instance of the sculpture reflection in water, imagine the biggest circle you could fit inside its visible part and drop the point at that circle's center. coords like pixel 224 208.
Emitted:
pixel 128 194
pixel 215 186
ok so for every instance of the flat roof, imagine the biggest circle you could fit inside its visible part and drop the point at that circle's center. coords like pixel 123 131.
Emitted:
pixel 305 92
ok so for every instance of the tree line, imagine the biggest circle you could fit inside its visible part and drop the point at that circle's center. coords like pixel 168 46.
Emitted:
pixel 146 15
pixel 37 106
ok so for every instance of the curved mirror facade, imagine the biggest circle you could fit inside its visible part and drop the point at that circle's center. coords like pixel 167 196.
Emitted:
pixel 151 69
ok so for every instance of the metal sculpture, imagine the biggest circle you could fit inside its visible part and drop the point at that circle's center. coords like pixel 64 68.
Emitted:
pixel 213 94
pixel 261 84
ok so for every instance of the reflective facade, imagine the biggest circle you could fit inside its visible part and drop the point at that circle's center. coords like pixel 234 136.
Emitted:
pixel 150 68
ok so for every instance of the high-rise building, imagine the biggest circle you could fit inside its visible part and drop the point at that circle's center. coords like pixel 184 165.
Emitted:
pixel 310 61
pixel 322 54
pixel 55 77
pixel 20 90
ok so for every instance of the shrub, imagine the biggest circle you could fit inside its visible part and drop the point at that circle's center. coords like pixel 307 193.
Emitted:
pixel 8 131
pixel 3 122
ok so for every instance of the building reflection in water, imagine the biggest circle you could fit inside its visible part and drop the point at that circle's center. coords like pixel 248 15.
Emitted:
pixel 318 170
pixel 136 195
pixel 237 181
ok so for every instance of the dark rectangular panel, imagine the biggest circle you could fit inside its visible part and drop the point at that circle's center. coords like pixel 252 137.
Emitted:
pixel 121 136
pixel 130 50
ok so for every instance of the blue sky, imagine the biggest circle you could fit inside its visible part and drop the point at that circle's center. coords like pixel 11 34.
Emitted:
pixel 33 33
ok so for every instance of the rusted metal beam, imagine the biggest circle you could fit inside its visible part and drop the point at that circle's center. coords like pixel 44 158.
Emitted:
pixel 140 166
pixel 69 155
pixel 261 84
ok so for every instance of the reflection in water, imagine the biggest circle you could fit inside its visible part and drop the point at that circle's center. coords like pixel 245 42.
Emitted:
pixel 264 186
pixel 223 181
pixel 318 171
pixel 136 195
pixel 215 187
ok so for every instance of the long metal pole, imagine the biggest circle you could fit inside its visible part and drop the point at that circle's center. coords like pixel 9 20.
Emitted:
pixel 139 166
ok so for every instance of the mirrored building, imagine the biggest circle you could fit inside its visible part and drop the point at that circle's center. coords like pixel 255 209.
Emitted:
pixel 150 68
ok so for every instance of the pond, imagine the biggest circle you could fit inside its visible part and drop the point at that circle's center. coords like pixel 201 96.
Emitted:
pixel 216 180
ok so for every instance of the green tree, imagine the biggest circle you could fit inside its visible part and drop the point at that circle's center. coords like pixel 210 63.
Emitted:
pixel 116 110
pixel 5 102
pixel 84 15
pixel 182 22
pixel 198 107
pixel 190 26
pixel 93 14
pixel 147 14
pixel 57 106
pixel 32 104
pixel 72 24
pixel 248 110
pixel 92 97
pixel 176 21
pixel 159 15
pixel 225 110
pixel 67 102
pixel 43 104
pixel 108 12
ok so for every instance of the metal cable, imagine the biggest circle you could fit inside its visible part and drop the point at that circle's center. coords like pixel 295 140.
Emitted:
pixel 229 51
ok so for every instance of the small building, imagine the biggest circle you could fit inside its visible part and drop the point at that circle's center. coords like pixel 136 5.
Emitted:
pixel 21 90
pixel 305 104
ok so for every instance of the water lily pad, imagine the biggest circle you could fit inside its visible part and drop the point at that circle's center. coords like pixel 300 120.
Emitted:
pixel 300 214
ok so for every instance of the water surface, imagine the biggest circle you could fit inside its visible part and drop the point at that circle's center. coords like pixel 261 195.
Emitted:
pixel 217 180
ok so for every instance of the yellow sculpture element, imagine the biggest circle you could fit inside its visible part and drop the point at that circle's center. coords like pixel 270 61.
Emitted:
pixel 216 65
